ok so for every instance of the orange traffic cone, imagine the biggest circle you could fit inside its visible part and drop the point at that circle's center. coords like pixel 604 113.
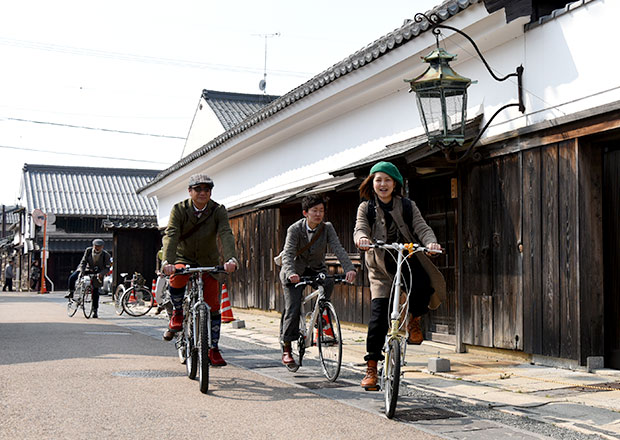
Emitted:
pixel 327 326
pixel 153 293
pixel 225 309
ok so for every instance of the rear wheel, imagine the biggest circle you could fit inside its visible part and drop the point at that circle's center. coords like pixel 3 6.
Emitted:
pixel 392 377
pixel 87 301
pixel 138 301
pixel 329 341
pixel 203 348
pixel 117 297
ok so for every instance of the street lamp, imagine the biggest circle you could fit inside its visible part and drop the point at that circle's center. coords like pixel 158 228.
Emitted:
pixel 441 95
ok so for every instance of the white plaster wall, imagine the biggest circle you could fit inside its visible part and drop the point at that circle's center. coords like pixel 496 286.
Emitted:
pixel 567 69
pixel 205 127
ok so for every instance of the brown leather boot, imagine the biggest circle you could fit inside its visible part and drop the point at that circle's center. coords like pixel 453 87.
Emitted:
pixel 287 357
pixel 414 328
pixel 369 382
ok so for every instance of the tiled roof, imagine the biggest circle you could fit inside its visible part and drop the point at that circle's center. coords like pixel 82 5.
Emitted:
pixel 232 108
pixel 407 32
pixel 11 214
pixel 86 191
pixel 132 223
pixel 556 13
pixel 419 144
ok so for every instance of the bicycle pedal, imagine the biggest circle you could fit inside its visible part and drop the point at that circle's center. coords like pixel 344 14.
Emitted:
pixel 377 388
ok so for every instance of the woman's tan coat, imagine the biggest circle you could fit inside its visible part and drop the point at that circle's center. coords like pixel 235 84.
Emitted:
pixel 380 279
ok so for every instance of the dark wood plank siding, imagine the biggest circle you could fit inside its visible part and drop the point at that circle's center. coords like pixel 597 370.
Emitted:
pixel 256 238
pixel 507 298
pixel 549 200
pixel 477 253
pixel 550 241
pixel 590 252
pixel 611 256
pixel 136 251
pixel 532 252
pixel 568 258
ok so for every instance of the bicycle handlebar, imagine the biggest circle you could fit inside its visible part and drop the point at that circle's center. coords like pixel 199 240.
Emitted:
pixel 307 280
pixel 190 270
pixel 411 247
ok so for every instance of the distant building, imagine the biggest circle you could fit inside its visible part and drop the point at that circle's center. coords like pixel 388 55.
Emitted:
pixel 218 112
pixel 81 199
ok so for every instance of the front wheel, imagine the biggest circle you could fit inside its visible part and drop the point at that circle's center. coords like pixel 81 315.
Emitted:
pixel 72 306
pixel 391 377
pixel 191 357
pixel 138 301
pixel 204 324
pixel 329 341
pixel 87 301
pixel 117 297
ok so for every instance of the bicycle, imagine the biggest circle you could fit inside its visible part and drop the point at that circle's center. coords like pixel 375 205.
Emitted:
pixel 82 296
pixel 324 321
pixel 194 340
pixel 162 295
pixel 133 297
pixel 395 344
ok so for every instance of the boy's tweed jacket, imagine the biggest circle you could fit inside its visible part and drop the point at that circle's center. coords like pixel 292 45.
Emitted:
pixel 314 257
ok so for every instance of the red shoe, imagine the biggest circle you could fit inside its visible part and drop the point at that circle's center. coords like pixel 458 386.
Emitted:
pixel 216 358
pixel 176 322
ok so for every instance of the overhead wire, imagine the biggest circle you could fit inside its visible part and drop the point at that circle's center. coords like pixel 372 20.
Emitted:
pixel 9 147
pixel 84 127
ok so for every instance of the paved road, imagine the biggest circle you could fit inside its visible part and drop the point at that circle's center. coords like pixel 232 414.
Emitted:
pixel 72 378
pixel 64 377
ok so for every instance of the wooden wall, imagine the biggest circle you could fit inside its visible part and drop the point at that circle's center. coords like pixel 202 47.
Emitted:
pixel 260 236
pixel 135 250
pixel 531 222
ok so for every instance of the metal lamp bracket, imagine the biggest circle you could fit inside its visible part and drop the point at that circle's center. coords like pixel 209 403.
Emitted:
pixel 434 21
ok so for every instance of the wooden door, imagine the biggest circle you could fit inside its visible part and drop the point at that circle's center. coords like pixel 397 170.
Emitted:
pixel 611 258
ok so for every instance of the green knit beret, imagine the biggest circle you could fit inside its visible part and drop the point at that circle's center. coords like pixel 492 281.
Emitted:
pixel 389 169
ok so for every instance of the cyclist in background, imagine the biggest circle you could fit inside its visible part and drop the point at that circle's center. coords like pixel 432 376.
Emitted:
pixel 304 255
pixel 387 216
pixel 95 259
pixel 191 238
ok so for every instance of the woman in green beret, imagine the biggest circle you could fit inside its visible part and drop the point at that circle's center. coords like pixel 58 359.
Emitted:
pixel 388 216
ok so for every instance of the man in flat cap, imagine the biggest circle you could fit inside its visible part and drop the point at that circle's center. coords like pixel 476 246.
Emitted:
pixel 191 236
pixel 95 259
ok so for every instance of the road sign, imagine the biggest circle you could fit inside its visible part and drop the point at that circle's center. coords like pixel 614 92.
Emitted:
pixel 38 217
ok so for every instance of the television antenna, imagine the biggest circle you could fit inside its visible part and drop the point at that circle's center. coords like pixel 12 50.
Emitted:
pixel 262 84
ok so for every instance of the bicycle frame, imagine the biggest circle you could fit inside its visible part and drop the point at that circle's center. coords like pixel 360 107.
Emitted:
pixel 319 294
pixel 395 313
pixel 196 298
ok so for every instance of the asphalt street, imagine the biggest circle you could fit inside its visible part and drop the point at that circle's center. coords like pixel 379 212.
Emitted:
pixel 114 377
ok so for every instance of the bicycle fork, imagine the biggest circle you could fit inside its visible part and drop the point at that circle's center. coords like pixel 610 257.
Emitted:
pixel 195 315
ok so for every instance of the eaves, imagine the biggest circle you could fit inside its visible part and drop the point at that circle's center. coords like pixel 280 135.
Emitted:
pixel 407 32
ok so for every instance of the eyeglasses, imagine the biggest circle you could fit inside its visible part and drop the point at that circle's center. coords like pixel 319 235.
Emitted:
pixel 199 189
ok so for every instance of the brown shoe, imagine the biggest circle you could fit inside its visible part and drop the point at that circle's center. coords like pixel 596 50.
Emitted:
pixel 414 328
pixel 369 382
pixel 168 335
pixel 287 357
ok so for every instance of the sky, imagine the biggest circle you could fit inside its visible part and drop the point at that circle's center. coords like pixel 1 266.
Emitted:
pixel 116 83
